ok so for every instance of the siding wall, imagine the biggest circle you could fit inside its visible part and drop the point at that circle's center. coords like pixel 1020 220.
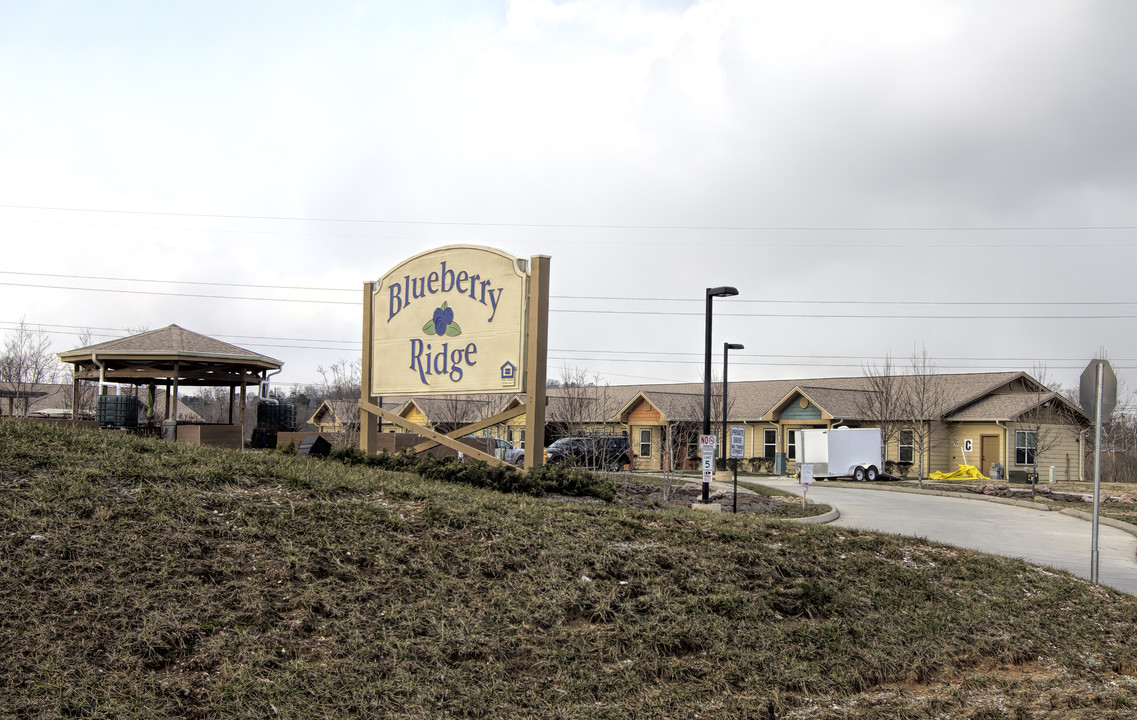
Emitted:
pixel 654 461
pixel 959 432
pixel 1064 453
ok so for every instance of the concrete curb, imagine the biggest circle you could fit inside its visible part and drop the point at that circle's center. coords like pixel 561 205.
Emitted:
pixel 811 520
pixel 964 496
pixel 836 513
pixel 821 519
pixel 1089 517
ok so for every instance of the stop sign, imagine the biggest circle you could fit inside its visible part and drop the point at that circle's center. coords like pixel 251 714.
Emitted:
pixel 1089 388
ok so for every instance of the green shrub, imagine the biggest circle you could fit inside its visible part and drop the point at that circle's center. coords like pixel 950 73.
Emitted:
pixel 557 479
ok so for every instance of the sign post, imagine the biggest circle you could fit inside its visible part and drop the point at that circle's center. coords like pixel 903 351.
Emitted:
pixel 1098 396
pixel 707 445
pixel 805 472
pixel 737 450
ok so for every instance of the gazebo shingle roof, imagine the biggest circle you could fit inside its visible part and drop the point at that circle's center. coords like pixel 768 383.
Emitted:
pixel 172 342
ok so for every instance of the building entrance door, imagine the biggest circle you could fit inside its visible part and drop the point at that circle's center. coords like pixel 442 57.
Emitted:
pixel 988 453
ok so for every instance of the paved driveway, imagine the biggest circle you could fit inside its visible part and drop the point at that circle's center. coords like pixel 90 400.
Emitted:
pixel 1043 538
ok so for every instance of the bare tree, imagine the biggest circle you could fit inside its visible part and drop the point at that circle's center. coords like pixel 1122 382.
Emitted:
pixel 579 403
pixel 1047 423
pixel 1118 435
pixel 884 403
pixel 211 403
pixel 86 391
pixel 340 380
pixel 27 361
pixel 450 412
pixel 923 402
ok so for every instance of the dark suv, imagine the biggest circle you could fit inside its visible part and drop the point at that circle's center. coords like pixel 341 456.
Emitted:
pixel 607 452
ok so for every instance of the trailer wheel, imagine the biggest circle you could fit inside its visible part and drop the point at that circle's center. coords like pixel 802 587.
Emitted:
pixel 871 473
pixel 858 473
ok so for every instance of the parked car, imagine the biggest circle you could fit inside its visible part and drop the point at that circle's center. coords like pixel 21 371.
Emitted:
pixel 501 449
pixel 608 452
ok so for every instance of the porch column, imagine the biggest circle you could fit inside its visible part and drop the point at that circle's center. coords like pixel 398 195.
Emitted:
pixel 242 415
pixel 172 413
pixel 74 396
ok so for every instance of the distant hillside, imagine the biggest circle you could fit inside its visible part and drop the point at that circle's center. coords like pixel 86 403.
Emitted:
pixel 143 579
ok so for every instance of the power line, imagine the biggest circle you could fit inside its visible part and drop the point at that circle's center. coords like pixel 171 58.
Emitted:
pixel 626 356
pixel 828 316
pixel 593 226
pixel 174 294
pixel 176 282
pixel 768 301
pixel 670 313
pixel 761 301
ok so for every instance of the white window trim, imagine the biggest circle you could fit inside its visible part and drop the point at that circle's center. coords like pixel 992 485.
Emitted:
pixel 1028 449
pixel 648 443
pixel 769 449
pixel 901 445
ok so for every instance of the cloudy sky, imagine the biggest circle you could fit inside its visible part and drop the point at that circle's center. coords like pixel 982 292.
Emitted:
pixel 872 176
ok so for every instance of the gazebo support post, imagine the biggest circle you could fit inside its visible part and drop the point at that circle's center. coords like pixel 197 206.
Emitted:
pixel 170 424
pixel 74 396
pixel 166 409
pixel 232 395
pixel 242 415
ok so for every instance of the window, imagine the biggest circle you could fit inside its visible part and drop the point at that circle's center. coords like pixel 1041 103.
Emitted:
pixel 645 442
pixel 522 443
pixel 769 443
pixel 907 446
pixel 791 444
pixel 1025 443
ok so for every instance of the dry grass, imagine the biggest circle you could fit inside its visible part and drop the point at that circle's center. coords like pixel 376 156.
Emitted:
pixel 146 580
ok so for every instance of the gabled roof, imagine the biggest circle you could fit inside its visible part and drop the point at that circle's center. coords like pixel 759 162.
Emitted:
pixel 172 343
pixel 451 408
pixel 959 390
pixel 961 396
pixel 795 392
pixel 344 412
pixel 671 405
pixel 1012 406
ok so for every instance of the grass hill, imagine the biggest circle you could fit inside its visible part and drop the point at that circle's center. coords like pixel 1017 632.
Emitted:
pixel 142 579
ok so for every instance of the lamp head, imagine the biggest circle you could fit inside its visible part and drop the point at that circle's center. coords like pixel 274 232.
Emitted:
pixel 733 346
pixel 724 291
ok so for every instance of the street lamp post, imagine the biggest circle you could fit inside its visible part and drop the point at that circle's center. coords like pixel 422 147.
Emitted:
pixel 725 348
pixel 711 293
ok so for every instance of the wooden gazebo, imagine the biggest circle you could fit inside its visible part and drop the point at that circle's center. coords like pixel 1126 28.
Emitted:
pixel 171 357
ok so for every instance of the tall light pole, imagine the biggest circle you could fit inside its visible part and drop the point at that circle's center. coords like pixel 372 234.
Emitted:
pixel 725 348
pixel 711 293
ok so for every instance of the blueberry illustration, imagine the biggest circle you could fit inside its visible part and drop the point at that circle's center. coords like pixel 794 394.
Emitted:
pixel 443 316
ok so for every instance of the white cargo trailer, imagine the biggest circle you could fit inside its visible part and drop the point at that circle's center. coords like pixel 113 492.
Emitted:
pixel 840 452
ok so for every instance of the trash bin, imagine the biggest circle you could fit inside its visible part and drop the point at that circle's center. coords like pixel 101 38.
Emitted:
pixel 780 463
pixel 996 471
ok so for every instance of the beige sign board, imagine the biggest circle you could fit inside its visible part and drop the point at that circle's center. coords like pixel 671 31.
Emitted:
pixel 450 320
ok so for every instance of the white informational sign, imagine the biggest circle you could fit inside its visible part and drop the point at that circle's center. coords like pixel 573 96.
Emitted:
pixel 806 473
pixel 708 464
pixel 968 446
pixel 708 441
pixel 737 441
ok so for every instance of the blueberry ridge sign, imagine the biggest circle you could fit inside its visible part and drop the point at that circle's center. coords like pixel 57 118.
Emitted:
pixel 451 320
pixel 456 320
